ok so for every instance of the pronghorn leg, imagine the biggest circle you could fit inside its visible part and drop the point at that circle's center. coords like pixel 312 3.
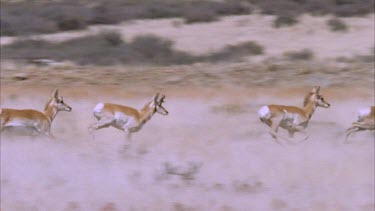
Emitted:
pixel 103 123
pixel 291 133
pixel 300 129
pixel 128 137
pixel 42 131
pixel 49 135
pixel 303 130
pixel 274 128
pixel 2 125
pixel 351 130
pixel 364 125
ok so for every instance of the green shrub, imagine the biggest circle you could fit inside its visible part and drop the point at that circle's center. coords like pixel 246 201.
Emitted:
pixel 52 16
pixel 336 24
pixel 304 54
pixel 112 38
pixel 199 15
pixel 235 52
pixel 316 7
pixel 67 24
pixel 282 21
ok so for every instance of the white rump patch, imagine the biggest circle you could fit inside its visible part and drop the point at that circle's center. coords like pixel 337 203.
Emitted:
pixel 98 108
pixel 264 112
pixel 362 113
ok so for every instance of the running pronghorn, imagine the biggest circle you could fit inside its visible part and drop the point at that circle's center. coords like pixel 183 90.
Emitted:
pixel 365 121
pixel 39 122
pixel 124 118
pixel 291 118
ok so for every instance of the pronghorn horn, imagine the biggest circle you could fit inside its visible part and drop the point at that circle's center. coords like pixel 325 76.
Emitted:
pixel 162 98
pixel 156 97
pixel 55 93
pixel 316 89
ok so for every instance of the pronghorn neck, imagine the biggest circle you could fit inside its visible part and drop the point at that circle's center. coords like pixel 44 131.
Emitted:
pixel 146 112
pixel 50 111
pixel 310 108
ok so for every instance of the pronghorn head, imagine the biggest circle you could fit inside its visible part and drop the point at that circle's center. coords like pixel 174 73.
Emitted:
pixel 315 96
pixel 159 104
pixel 58 102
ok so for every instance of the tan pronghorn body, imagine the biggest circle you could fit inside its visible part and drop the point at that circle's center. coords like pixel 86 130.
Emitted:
pixel 39 122
pixel 291 118
pixel 125 118
pixel 365 121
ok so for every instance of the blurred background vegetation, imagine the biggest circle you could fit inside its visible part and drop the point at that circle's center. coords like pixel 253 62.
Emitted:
pixel 24 18
pixel 61 15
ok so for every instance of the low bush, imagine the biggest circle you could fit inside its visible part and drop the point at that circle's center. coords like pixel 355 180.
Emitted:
pixel 304 54
pixel 25 25
pixel 112 38
pixel 282 21
pixel 108 48
pixel 336 24
pixel 103 49
pixel 53 16
pixel 235 52
pixel 316 7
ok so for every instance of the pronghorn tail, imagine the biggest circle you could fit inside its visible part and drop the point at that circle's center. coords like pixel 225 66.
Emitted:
pixel 264 114
pixel 97 110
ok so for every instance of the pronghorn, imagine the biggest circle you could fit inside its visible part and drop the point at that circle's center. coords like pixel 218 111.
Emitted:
pixel 125 118
pixel 39 122
pixel 365 121
pixel 291 118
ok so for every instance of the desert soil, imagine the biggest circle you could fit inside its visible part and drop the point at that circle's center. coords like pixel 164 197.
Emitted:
pixel 212 125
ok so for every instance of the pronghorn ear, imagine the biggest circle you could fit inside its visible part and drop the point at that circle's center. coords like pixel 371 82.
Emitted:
pixel 316 89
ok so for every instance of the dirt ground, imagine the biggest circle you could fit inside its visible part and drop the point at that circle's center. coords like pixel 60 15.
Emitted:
pixel 238 165
pixel 211 152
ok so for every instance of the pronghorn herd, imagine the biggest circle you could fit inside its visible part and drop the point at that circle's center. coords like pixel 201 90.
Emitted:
pixel 130 120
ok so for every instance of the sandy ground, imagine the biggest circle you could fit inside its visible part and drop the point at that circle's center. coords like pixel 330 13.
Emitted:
pixel 212 125
pixel 238 165
pixel 310 33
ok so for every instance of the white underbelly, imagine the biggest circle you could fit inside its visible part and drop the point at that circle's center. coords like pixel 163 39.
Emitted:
pixel 18 124
pixel 287 123
pixel 19 128
pixel 126 123
pixel 290 120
